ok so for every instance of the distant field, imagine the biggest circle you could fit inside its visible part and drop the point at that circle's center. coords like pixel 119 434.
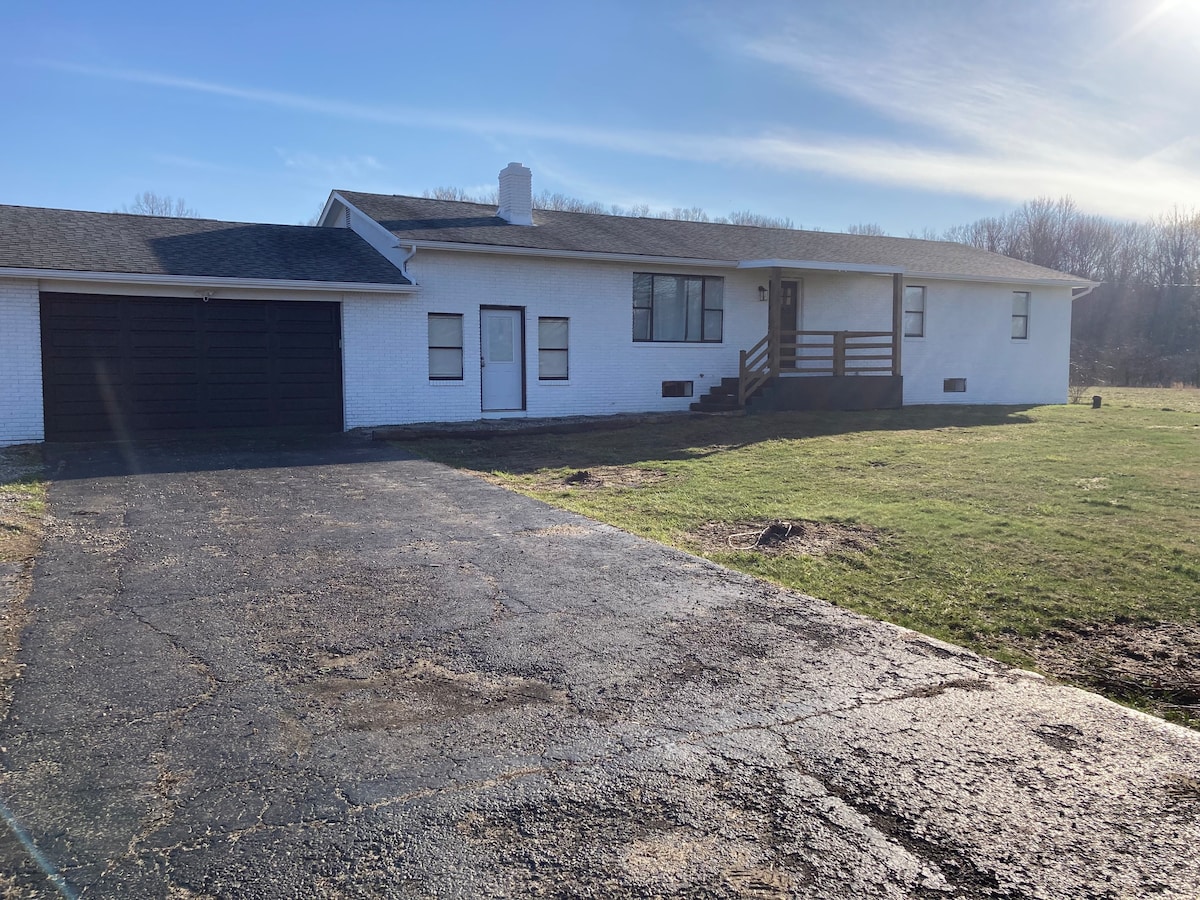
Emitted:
pixel 1062 537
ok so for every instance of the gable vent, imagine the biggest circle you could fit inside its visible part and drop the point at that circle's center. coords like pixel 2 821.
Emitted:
pixel 346 218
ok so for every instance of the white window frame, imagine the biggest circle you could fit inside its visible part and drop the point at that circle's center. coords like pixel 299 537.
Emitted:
pixel 565 349
pixel 908 310
pixel 1021 316
pixel 446 317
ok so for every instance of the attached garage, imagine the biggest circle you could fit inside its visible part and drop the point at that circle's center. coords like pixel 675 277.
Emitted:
pixel 135 366
pixel 116 326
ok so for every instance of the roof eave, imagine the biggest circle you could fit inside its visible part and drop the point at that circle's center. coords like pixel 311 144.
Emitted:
pixel 649 259
pixel 1004 279
pixel 207 281
pixel 508 250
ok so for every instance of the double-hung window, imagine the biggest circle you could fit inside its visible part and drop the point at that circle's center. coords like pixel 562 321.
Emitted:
pixel 914 311
pixel 680 308
pixel 1020 315
pixel 552 348
pixel 445 347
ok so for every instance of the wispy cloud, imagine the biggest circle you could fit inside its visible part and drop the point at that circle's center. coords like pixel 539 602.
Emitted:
pixel 385 115
pixel 999 107
pixel 969 115
pixel 336 170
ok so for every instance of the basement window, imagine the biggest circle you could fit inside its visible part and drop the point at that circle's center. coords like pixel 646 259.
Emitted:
pixel 954 386
pixel 445 347
pixel 677 388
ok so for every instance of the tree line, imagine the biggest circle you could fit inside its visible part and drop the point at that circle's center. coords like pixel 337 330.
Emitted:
pixel 1141 327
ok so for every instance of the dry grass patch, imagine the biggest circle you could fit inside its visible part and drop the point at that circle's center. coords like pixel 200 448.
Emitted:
pixel 22 506
pixel 1155 665
pixel 593 478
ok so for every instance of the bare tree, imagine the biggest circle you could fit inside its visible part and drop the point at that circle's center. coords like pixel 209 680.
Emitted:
pixel 562 203
pixel 746 217
pixel 926 234
pixel 148 203
pixel 1141 326
pixel 315 218
pixel 685 214
pixel 868 228
pixel 449 193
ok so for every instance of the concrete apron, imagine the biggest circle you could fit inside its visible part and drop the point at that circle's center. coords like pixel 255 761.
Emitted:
pixel 280 672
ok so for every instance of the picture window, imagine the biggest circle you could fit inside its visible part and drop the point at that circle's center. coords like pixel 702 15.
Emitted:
pixel 678 308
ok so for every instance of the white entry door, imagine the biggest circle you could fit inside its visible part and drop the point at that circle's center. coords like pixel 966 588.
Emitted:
pixel 502 359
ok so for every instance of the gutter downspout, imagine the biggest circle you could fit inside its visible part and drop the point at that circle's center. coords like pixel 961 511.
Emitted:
pixel 1083 292
pixel 412 251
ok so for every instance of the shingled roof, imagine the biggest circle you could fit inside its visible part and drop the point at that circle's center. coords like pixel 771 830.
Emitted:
pixel 74 241
pixel 422 220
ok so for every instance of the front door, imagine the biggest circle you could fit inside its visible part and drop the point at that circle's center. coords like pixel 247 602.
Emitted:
pixel 789 320
pixel 502 358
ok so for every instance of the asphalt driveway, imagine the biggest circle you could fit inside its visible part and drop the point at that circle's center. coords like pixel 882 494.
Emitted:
pixel 273 669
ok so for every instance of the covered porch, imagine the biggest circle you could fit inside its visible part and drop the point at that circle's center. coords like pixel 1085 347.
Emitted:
pixel 792 366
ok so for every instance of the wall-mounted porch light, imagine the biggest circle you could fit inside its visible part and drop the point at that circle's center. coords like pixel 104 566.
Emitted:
pixel 762 294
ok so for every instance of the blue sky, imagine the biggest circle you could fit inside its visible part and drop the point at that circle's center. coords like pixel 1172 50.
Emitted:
pixel 912 114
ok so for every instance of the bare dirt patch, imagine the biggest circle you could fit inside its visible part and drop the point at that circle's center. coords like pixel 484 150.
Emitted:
pixel 799 537
pixel 1153 664
pixel 20 538
pixel 602 477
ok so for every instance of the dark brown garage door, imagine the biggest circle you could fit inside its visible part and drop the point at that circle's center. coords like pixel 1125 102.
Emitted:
pixel 136 366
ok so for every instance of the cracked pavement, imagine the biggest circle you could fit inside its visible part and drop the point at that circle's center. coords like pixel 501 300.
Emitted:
pixel 322 668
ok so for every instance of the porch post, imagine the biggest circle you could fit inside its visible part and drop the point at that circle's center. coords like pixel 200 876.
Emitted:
pixel 897 320
pixel 775 314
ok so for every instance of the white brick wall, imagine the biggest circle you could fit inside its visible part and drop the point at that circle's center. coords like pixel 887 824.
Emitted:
pixel 968 330
pixel 386 339
pixel 20 363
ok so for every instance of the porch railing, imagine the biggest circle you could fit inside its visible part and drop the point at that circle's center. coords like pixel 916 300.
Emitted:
pixel 836 353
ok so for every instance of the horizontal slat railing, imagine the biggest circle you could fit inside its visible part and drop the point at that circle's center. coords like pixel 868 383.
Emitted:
pixel 835 353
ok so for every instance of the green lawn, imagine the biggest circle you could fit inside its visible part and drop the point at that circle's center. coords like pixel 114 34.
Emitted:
pixel 997 525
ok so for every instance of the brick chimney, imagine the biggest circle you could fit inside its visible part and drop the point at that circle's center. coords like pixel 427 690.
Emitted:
pixel 516 195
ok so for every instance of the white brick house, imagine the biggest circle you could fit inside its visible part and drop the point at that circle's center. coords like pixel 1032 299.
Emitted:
pixel 403 309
